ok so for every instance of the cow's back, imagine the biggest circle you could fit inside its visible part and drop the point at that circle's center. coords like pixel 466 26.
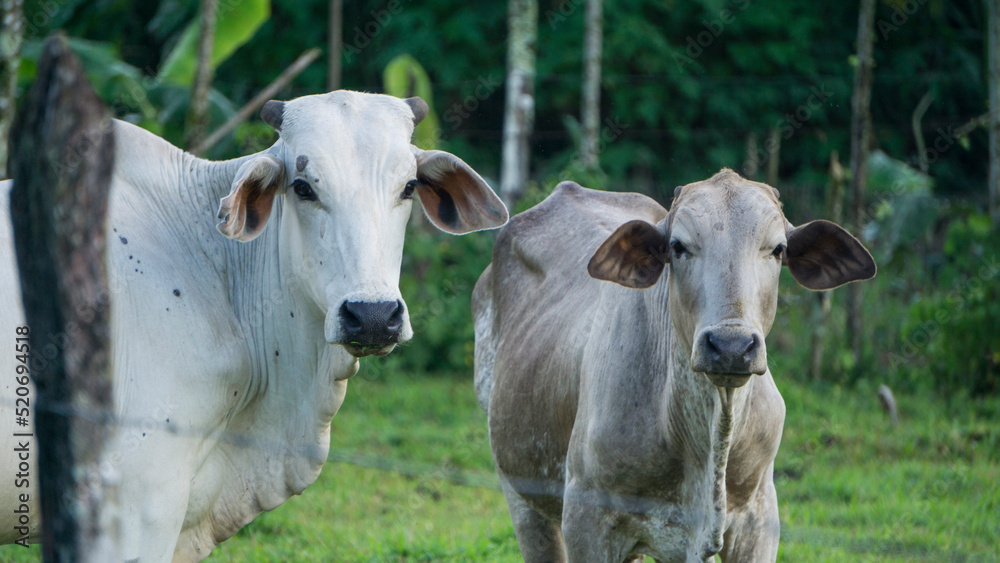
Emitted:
pixel 534 308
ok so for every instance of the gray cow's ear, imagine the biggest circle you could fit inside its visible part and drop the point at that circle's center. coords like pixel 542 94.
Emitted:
pixel 822 255
pixel 455 198
pixel 633 256
pixel 243 213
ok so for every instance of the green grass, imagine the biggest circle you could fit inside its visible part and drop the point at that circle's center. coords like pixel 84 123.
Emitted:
pixel 410 479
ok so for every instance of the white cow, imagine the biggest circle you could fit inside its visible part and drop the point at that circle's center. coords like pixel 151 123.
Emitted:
pixel 231 357
pixel 624 417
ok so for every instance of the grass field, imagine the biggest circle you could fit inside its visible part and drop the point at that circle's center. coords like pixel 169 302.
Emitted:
pixel 410 479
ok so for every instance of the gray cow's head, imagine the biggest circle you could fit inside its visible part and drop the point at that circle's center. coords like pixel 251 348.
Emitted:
pixel 725 240
pixel 346 172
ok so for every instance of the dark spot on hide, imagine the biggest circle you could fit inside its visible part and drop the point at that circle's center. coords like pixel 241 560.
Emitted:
pixel 177 292
pixel 123 239
pixel 293 315
pixel 301 162
pixel 129 256
pixel 276 354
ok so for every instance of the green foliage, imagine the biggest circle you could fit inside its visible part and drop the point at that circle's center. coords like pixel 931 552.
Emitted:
pixel 952 333
pixel 438 274
pixel 403 77
pixel 121 85
pixel 236 22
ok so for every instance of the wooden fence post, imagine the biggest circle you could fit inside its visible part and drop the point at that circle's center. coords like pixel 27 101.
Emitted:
pixel 61 162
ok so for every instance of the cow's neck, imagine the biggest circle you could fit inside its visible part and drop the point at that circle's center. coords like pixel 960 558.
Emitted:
pixel 287 355
pixel 699 423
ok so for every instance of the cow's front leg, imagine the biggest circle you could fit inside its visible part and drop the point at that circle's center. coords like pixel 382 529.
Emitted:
pixel 539 539
pixel 753 534
pixel 589 528
pixel 155 471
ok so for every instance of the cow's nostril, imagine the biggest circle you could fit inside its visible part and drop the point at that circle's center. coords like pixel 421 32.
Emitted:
pixel 395 322
pixel 350 319
pixel 372 323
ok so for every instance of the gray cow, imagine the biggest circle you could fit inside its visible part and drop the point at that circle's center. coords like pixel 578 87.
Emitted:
pixel 624 417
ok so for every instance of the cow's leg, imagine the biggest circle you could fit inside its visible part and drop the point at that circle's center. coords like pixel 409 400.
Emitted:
pixel 155 468
pixel 539 538
pixel 753 535
pixel 589 533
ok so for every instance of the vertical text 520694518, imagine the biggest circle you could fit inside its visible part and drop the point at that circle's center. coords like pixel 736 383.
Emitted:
pixel 22 435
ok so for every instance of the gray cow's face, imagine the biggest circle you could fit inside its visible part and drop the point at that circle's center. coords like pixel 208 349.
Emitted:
pixel 726 246
pixel 725 240
pixel 348 174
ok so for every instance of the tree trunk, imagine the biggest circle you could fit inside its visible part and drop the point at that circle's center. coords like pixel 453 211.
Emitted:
pixel 62 163
pixel 773 156
pixel 197 118
pixel 590 113
pixel 752 163
pixel 519 111
pixel 824 299
pixel 993 75
pixel 860 140
pixel 11 37
pixel 335 35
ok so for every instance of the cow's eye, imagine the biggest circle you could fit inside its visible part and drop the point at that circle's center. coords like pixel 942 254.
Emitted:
pixel 778 251
pixel 678 248
pixel 408 190
pixel 303 190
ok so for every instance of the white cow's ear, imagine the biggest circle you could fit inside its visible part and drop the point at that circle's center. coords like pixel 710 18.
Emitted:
pixel 245 211
pixel 455 198
pixel 822 255
pixel 633 256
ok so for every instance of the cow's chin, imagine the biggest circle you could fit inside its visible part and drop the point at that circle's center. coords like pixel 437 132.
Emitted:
pixel 372 350
pixel 728 379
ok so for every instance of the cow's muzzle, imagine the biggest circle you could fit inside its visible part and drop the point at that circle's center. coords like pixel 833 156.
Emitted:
pixel 729 354
pixel 371 328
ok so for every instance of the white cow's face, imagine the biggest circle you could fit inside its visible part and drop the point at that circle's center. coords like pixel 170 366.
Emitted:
pixel 348 174
pixel 725 240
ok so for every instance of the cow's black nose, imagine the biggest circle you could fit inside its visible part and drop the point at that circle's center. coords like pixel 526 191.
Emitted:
pixel 729 350
pixel 372 324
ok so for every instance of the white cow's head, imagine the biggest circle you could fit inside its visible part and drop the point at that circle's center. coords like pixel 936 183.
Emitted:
pixel 725 240
pixel 347 173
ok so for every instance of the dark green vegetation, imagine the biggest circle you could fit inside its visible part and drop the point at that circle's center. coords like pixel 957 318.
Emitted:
pixel 688 87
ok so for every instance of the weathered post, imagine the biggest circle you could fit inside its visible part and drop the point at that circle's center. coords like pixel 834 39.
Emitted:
pixel 861 125
pixel 519 111
pixel 61 162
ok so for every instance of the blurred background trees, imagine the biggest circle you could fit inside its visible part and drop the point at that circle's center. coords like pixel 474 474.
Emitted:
pixel 686 88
